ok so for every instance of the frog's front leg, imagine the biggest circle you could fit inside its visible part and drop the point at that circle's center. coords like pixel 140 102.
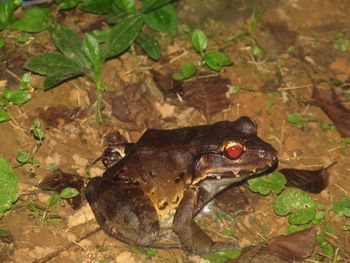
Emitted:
pixel 191 236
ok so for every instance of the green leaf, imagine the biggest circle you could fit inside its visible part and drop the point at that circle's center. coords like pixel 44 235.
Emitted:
pixel 298 206
pixel 187 70
pixel 23 38
pixel 52 166
pixel 4 116
pixel 122 35
pixel 215 60
pixel 52 63
pixel 34 20
pixel 97 6
pixel 56 66
pixel 149 44
pixel 92 51
pixel 2 41
pixel 69 192
pixel 150 5
pixel 22 157
pixel 125 5
pixel 163 19
pixel 199 40
pixel 8 186
pixel 274 183
pixel 54 198
pixel 6 11
pixel 19 97
pixel 326 247
pixel 70 44
pixel 223 256
pixel 3 233
pixel 342 207
pixel 3 102
pixel 294 118
pixel 67 4
pixel 37 132
pixel 100 35
pixel 345 140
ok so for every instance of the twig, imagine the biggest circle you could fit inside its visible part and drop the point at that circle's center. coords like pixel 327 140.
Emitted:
pixel 69 245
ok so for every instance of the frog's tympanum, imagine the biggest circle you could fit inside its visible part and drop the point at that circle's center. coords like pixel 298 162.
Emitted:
pixel 169 175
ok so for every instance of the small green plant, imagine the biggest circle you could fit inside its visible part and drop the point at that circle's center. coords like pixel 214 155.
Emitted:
pixel 8 186
pixel 275 183
pixel 44 213
pixel 299 121
pixel 145 253
pixel 223 256
pixel 33 20
pixel 342 207
pixel 341 43
pixel 215 60
pixel 17 97
pixel 6 12
pixel 26 158
pixel 298 206
pixel 84 56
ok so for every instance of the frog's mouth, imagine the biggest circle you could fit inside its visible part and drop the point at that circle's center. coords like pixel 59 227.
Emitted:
pixel 241 174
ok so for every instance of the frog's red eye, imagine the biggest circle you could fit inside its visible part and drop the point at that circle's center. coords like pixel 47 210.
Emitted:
pixel 233 150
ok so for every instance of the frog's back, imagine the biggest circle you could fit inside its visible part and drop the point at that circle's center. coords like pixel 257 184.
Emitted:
pixel 194 135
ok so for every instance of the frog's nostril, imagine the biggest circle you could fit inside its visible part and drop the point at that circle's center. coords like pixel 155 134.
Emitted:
pixel 262 154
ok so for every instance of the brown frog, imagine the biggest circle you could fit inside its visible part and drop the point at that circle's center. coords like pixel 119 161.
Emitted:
pixel 169 175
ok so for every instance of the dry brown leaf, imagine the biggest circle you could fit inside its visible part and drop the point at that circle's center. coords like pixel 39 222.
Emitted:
pixel 330 103
pixel 294 248
pixel 311 181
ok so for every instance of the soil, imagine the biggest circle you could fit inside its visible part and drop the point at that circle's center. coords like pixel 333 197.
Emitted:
pixel 298 37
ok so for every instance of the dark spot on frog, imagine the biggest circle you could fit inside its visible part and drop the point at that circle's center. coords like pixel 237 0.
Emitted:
pixel 180 177
pixel 162 205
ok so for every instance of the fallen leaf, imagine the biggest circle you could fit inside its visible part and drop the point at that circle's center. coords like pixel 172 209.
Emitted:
pixel 207 95
pixel 294 248
pixel 57 115
pixel 330 103
pixel 311 181
pixel 59 180
pixel 233 199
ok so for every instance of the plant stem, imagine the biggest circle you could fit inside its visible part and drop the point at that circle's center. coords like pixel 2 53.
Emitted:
pixel 100 88
pixel 98 105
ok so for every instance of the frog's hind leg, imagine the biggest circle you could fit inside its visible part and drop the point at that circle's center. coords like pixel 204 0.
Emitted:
pixel 123 211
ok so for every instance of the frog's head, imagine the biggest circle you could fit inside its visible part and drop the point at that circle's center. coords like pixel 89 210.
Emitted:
pixel 237 154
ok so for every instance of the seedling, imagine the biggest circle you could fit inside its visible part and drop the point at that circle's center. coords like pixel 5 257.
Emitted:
pixel 223 256
pixel 341 43
pixel 299 121
pixel 17 97
pixel 215 60
pixel 43 213
pixel 146 253
pixel 84 56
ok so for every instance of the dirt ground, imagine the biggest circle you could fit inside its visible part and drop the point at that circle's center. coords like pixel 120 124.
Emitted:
pixel 299 37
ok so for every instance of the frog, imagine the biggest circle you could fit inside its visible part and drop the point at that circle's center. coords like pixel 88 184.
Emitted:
pixel 168 176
